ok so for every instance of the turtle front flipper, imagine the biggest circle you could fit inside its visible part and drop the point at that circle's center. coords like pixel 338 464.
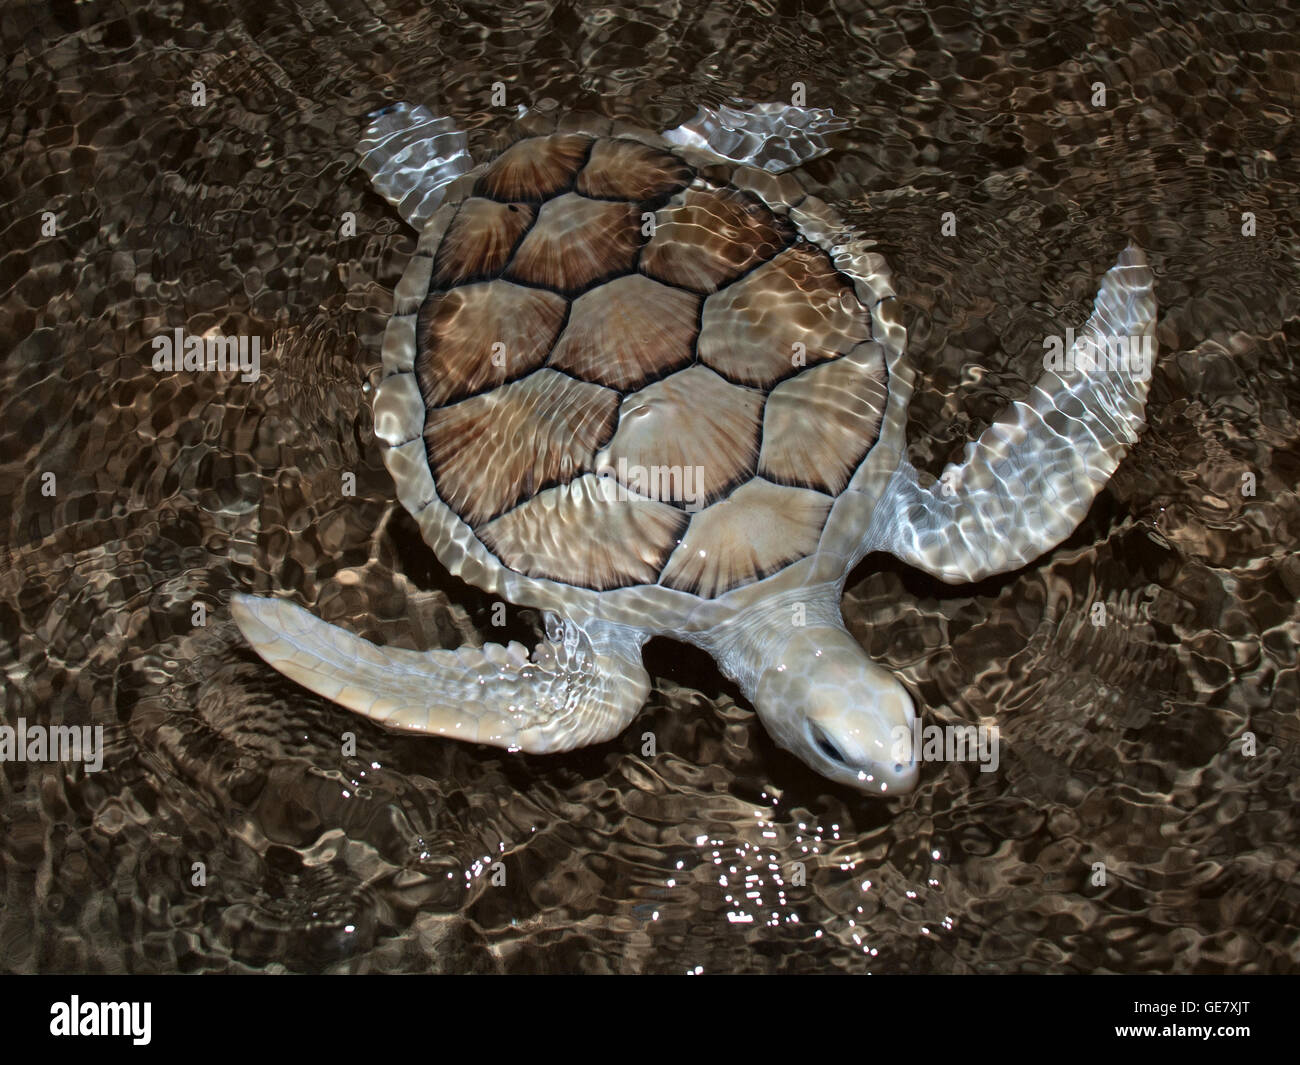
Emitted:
pixel 1029 479
pixel 581 685
pixel 412 155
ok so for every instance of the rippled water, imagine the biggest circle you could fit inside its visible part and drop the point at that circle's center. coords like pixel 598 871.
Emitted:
pixel 1121 744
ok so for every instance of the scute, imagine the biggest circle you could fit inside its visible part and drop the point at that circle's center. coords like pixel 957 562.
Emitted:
pixel 794 311
pixel 535 168
pixel 758 529
pixel 629 170
pixel 481 335
pixel 711 236
pixel 692 422
pixel 492 451
pixel 480 239
pixel 628 331
pixel 608 403
pixel 576 241
pixel 818 426
pixel 588 532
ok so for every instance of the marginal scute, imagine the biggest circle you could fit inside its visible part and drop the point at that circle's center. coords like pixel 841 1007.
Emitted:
pixel 760 528
pixel 414 285
pixel 399 344
pixel 627 332
pixel 692 430
pixel 492 451
pixel 435 228
pixel 794 311
pixel 708 237
pixel 887 328
pixel 409 465
pixel 479 241
pixel 590 532
pixel 535 168
pixel 627 170
pixel 818 426
pixel 399 410
pixel 477 336
pixel 576 241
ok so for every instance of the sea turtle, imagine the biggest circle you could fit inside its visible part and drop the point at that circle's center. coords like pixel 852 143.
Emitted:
pixel 648 385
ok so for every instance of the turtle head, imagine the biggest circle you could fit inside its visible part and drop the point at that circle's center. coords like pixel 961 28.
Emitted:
pixel 824 700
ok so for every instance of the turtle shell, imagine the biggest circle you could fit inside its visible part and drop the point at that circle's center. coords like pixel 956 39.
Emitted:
pixel 635 372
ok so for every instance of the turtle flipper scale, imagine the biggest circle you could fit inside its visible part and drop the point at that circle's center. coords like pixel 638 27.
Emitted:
pixel 581 685
pixel 1028 481
pixel 773 136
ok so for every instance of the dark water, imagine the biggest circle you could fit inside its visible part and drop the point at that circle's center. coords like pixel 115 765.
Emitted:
pixel 1121 745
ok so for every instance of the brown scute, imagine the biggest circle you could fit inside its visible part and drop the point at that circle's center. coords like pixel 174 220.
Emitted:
pixel 629 170
pixel 459 331
pixel 576 241
pixel 534 169
pixel 492 451
pixel 760 528
pixel 479 241
pixel 711 237
pixel 627 332
pixel 692 422
pixel 818 426
pixel 749 331
pixel 587 533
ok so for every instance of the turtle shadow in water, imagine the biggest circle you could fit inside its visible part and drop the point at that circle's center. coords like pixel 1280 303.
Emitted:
pixel 416 560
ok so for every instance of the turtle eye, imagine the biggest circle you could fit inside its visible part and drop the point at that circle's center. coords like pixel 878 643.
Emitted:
pixel 827 747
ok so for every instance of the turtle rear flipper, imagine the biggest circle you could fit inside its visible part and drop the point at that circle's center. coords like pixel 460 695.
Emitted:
pixel 581 686
pixel 1029 479
pixel 412 155
pixel 773 136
